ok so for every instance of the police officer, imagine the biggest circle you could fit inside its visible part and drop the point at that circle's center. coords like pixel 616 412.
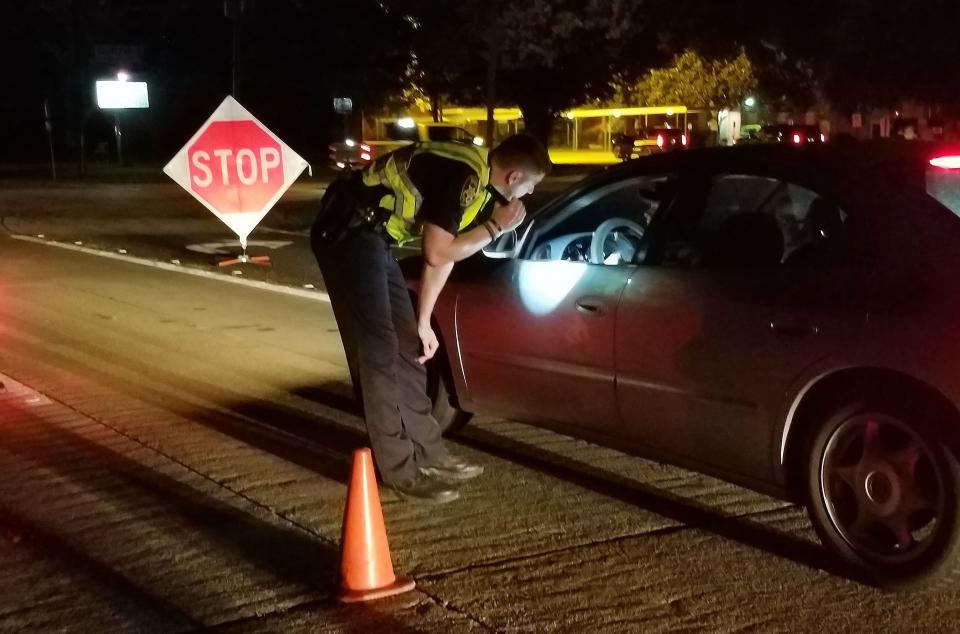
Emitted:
pixel 457 199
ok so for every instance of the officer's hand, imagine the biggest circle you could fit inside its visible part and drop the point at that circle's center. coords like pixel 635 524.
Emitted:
pixel 509 216
pixel 430 343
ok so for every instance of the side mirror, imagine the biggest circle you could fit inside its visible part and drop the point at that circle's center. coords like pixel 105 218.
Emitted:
pixel 507 246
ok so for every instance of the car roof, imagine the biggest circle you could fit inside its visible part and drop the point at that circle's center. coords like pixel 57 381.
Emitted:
pixel 901 161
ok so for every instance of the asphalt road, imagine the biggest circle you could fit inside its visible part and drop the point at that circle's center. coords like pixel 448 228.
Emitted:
pixel 159 221
pixel 173 457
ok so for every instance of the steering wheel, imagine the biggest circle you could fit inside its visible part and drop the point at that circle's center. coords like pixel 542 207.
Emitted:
pixel 603 232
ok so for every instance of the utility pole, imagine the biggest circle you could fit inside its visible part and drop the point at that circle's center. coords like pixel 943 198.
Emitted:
pixel 493 45
pixel 234 10
pixel 491 88
pixel 48 124
pixel 118 134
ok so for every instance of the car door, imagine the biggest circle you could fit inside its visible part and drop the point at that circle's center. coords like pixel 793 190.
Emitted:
pixel 536 337
pixel 754 284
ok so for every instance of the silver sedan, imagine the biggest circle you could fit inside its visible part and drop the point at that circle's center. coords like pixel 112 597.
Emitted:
pixel 787 319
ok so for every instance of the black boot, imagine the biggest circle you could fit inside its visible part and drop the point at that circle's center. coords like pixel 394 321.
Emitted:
pixel 452 469
pixel 424 489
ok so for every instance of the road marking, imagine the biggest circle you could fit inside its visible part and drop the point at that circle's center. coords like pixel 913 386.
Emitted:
pixel 19 394
pixel 264 286
pixel 300 234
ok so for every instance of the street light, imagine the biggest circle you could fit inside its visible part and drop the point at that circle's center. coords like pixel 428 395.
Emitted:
pixel 750 102
pixel 123 76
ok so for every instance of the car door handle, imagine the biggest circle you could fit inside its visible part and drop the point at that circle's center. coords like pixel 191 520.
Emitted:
pixel 789 329
pixel 590 306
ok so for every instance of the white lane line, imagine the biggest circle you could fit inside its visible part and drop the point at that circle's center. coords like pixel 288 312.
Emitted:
pixel 20 394
pixel 264 286
pixel 301 234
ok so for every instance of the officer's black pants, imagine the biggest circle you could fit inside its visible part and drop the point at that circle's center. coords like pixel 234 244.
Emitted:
pixel 378 327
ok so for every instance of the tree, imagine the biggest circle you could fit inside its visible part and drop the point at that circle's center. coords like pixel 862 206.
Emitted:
pixel 305 53
pixel 446 51
pixel 778 46
pixel 695 81
pixel 882 54
pixel 857 53
pixel 555 54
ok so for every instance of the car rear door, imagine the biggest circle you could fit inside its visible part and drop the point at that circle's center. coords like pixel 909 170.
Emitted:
pixel 753 286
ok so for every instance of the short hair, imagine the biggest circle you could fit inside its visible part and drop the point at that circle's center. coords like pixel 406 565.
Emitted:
pixel 521 151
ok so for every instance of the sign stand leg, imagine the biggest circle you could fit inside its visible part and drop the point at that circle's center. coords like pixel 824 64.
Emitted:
pixel 243 258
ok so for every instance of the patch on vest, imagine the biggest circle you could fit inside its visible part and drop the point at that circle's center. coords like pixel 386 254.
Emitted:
pixel 471 187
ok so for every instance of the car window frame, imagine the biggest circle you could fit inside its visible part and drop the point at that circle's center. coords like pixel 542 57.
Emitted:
pixel 699 184
pixel 544 222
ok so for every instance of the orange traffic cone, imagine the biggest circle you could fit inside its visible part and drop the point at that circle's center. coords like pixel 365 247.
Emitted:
pixel 366 571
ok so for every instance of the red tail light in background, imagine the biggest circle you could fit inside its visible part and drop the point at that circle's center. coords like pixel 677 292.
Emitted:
pixel 364 147
pixel 683 139
pixel 797 139
pixel 365 156
pixel 949 162
pixel 660 140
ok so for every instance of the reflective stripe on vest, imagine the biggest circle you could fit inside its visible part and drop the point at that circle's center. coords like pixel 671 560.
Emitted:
pixel 404 199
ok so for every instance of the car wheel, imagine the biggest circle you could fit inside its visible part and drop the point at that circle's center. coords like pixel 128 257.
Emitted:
pixel 882 487
pixel 440 389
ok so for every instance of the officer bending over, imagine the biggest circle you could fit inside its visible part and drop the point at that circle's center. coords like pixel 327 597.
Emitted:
pixel 457 199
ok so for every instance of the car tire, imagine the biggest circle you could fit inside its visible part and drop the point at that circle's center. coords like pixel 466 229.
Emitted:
pixel 440 389
pixel 896 523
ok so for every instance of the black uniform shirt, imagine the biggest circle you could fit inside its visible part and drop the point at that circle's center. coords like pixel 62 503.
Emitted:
pixel 447 186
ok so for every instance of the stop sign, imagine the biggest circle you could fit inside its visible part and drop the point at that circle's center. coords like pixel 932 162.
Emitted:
pixel 236 167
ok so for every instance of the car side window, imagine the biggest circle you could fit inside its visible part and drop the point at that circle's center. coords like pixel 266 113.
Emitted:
pixel 608 225
pixel 750 221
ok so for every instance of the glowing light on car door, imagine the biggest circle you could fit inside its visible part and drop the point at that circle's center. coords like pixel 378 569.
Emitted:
pixel 544 285
pixel 943 181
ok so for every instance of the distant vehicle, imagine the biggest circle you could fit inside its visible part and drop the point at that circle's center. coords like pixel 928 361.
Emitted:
pixel 781 318
pixel 650 141
pixel 749 133
pixel 796 135
pixel 907 129
pixel 353 154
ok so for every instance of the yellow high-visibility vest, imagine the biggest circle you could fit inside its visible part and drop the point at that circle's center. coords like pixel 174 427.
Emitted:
pixel 404 199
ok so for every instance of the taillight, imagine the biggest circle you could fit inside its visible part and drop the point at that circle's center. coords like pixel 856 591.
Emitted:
pixel 797 139
pixel 949 162
pixel 660 140
pixel 364 147
pixel 365 156
pixel 823 138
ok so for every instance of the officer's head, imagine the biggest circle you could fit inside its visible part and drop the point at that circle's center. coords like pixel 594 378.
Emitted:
pixel 518 165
